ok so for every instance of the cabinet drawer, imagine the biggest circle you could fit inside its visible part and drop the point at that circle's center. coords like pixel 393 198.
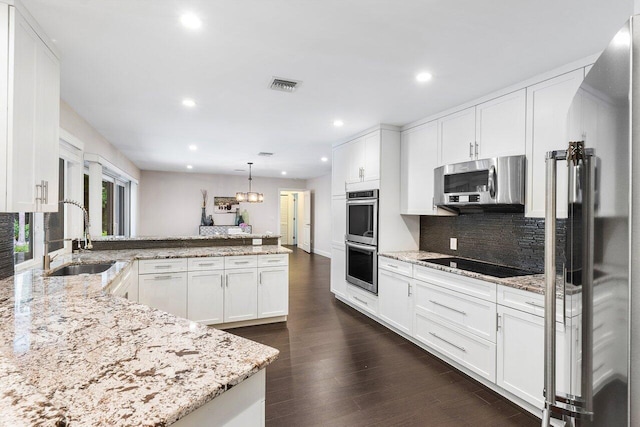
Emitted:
pixel 396 266
pixel 171 265
pixel 363 299
pixel 243 261
pixel 207 263
pixel 469 351
pixel 471 314
pixel 273 260
pixel 167 292
pixel 529 302
pixel 466 285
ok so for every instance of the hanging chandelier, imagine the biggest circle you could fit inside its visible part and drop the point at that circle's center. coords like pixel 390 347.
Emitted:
pixel 250 196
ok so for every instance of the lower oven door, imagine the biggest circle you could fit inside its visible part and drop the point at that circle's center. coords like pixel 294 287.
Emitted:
pixel 362 266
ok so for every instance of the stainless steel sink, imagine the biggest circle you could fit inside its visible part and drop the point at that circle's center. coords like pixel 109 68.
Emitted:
pixel 75 269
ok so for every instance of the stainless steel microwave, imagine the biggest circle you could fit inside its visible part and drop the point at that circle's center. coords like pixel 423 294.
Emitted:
pixel 488 183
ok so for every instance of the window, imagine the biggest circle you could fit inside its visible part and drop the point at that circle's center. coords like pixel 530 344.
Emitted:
pixel 22 237
pixel 107 208
pixel 56 219
pixel 115 204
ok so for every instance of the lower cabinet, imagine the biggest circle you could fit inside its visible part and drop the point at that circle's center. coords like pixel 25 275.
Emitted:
pixel 205 299
pixel 241 295
pixel 167 292
pixel 395 300
pixel 338 272
pixel 273 292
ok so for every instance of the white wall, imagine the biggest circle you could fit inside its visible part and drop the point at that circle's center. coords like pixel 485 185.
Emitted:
pixel 170 202
pixel 320 214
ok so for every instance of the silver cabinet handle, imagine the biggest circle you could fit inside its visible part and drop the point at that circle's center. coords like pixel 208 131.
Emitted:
pixel 273 260
pixel 226 280
pixel 241 262
pixel 206 264
pixel 477 150
pixel 260 279
pixel 491 183
pixel 359 300
pixel 162 277
pixel 222 281
pixel 45 191
pixel 162 266
pixel 498 322
pixel 363 174
pixel 408 289
pixel 471 150
pixel 392 266
pixel 448 342
pixel 534 304
pixel 464 313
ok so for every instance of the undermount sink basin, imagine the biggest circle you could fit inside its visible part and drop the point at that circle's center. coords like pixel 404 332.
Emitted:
pixel 75 269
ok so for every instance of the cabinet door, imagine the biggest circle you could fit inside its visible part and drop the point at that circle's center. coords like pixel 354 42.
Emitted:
pixel 457 136
pixel 205 296
pixel 395 300
pixel 338 220
pixel 355 160
pixel 371 161
pixel 338 272
pixel 418 159
pixel 167 292
pixel 241 295
pixel 339 170
pixel 520 359
pixel 500 126
pixel 547 107
pixel 273 292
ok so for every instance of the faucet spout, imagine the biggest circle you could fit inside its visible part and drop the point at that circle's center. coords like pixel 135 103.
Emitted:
pixel 87 236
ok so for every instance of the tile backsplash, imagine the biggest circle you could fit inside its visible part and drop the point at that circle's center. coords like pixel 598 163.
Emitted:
pixel 6 245
pixel 501 238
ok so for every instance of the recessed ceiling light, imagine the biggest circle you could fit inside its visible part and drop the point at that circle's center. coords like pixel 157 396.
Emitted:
pixel 191 21
pixel 324 159
pixel 188 102
pixel 423 77
pixel 193 147
pixel 189 167
pixel 338 123
pixel 283 172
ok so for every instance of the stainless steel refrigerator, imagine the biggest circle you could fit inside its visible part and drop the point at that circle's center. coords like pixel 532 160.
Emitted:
pixel 601 268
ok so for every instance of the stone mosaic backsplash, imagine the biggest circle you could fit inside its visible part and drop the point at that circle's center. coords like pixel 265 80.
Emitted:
pixel 6 245
pixel 501 238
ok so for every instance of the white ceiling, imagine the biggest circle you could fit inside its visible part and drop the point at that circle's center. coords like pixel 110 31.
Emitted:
pixel 127 64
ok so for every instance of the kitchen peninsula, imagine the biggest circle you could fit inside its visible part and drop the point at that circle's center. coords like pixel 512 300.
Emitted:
pixel 73 353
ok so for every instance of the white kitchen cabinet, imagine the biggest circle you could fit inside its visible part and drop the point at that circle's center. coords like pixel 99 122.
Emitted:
pixel 338 219
pixel 273 292
pixel 492 129
pixel 164 291
pixel 241 294
pixel 520 355
pixel 205 296
pixel 356 164
pixel 395 300
pixel 339 170
pixel 29 143
pixel 500 126
pixel 457 136
pixel 338 271
pixel 371 157
pixel 418 159
pixel 547 107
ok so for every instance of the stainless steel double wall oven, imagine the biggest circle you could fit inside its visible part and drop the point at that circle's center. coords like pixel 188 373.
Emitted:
pixel 361 239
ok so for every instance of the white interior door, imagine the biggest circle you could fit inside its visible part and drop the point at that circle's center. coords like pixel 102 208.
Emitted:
pixel 305 196
pixel 284 218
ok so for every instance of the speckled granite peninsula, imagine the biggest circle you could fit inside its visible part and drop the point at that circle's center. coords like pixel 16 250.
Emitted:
pixel 72 354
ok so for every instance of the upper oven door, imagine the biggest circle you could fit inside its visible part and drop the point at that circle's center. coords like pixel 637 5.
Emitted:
pixel 362 221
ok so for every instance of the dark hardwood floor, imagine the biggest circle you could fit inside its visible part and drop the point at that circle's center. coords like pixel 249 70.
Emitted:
pixel 337 367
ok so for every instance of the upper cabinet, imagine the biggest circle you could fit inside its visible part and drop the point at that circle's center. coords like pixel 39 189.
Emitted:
pixel 547 107
pixel 30 117
pixel 418 159
pixel 356 161
pixel 491 129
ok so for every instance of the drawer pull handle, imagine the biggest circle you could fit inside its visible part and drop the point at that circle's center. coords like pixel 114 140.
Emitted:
pixel 162 277
pixel 162 266
pixel 392 266
pixel 273 260
pixel 464 313
pixel 359 300
pixel 448 342
pixel 205 264
pixel 222 281
pixel 600 366
pixel 534 304
pixel 241 262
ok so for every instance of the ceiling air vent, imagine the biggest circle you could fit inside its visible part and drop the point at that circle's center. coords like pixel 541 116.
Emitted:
pixel 265 154
pixel 284 85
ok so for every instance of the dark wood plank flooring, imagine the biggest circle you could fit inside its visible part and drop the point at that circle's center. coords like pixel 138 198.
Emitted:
pixel 337 367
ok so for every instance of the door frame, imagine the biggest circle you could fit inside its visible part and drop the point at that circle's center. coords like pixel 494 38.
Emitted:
pixel 292 190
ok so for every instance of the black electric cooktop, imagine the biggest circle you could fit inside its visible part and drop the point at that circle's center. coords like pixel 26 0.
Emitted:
pixel 480 267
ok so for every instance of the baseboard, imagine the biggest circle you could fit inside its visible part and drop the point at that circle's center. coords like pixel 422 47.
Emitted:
pixel 252 322
pixel 322 253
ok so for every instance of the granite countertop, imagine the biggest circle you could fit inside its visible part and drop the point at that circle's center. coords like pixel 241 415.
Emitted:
pixel 208 237
pixel 71 352
pixel 531 283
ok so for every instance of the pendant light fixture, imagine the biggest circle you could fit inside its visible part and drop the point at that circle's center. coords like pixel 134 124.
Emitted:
pixel 250 196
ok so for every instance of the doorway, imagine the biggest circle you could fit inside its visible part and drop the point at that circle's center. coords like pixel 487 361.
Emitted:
pixel 295 218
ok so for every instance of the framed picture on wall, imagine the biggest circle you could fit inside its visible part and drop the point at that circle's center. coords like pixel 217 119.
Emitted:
pixel 225 204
